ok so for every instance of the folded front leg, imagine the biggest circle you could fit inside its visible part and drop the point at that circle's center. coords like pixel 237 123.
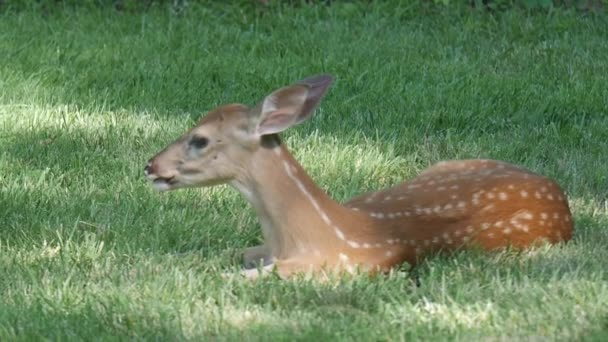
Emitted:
pixel 283 268
pixel 257 256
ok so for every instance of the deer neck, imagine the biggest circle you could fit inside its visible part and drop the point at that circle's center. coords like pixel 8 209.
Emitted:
pixel 297 217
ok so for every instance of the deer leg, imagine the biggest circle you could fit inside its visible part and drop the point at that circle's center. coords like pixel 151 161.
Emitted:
pixel 255 273
pixel 283 268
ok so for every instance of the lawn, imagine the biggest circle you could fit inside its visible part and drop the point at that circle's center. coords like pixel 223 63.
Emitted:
pixel 88 250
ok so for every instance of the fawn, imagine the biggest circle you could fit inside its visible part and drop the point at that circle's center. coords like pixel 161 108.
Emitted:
pixel 449 206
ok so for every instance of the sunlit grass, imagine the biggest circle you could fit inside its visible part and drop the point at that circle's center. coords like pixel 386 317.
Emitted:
pixel 89 250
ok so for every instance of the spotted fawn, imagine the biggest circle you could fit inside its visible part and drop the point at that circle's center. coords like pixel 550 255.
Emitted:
pixel 449 206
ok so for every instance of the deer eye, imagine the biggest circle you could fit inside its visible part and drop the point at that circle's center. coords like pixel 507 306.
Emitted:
pixel 198 142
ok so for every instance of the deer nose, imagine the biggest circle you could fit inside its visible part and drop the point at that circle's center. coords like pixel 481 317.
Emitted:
pixel 148 169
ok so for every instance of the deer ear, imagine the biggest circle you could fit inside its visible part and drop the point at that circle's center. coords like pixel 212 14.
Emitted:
pixel 288 106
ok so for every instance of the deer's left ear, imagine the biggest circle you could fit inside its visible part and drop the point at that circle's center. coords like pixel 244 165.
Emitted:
pixel 288 106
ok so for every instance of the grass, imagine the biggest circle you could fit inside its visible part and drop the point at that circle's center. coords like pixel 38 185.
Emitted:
pixel 89 251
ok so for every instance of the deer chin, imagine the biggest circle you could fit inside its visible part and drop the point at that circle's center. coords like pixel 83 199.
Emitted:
pixel 185 182
pixel 163 185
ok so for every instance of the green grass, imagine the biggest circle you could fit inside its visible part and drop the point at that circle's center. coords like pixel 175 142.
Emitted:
pixel 89 251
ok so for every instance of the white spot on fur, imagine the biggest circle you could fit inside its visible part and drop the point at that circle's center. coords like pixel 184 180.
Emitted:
pixel 353 244
pixel 324 216
pixel 503 196
pixel 343 257
pixel 523 214
pixel 488 207
pixel 339 233
pixel 302 188
pixel 524 194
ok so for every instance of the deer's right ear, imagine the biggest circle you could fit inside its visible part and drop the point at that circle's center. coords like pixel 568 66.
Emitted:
pixel 291 105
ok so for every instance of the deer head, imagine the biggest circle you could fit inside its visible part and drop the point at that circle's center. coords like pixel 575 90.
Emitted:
pixel 219 148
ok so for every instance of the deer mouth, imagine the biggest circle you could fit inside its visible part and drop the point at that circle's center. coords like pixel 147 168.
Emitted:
pixel 164 184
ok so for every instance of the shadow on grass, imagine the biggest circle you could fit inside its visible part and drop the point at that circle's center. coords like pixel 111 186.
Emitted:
pixel 395 94
pixel 77 181
pixel 43 321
